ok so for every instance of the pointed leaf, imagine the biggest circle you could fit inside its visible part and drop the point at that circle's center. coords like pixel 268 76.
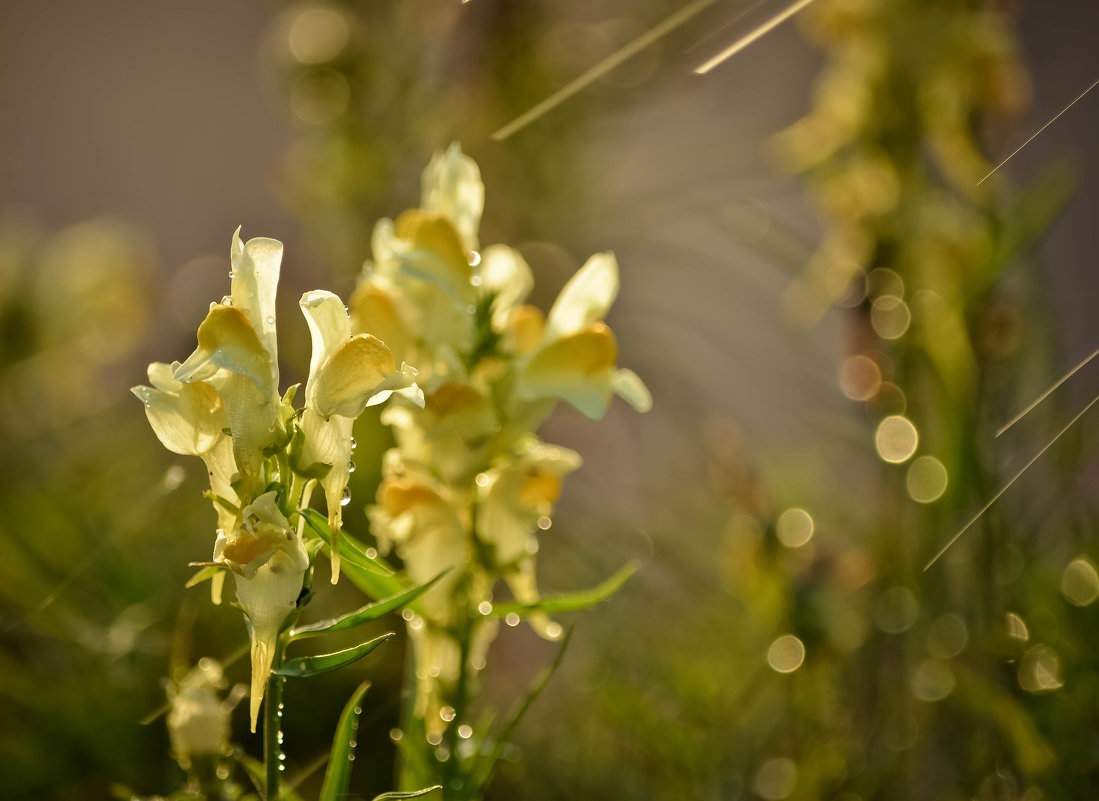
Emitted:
pixel 365 614
pixel 351 550
pixel 323 663
pixel 338 775
pixel 571 601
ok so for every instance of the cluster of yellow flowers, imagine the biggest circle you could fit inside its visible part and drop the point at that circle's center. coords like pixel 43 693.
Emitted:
pixel 262 455
pixel 469 484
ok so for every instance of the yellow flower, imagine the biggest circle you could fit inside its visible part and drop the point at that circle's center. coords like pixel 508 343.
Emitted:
pixel 237 355
pixel 268 560
pixel 346 374
pixel 577 356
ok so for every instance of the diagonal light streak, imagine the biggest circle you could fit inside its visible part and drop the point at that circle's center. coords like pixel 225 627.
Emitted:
pixel 752 36
pixel 1011 481
pixel 602 68
pixel 1047 393
pixel 1034 135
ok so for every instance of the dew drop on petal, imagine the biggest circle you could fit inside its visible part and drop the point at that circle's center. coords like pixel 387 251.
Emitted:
pixel 350 467
pixel 346 497
pixel 270 319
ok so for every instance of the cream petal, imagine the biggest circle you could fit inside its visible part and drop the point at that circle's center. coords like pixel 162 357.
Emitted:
pixel 354 372
pixel 256 266
pixel 226 339
pixel 451 185
pixel 576 368
pixel 586 298
pixel 329 326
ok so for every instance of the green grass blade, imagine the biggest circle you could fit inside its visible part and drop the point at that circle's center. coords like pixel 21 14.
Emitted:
pixel 571 601
pixel 410 794
pixel 365 614
pixel 481 774
pixel 338 775
pixel 323 663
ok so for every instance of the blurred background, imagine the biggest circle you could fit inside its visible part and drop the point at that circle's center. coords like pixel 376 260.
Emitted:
pixel 834 313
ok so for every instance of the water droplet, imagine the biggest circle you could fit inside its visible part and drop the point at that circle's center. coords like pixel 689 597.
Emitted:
pixel 395 735
pixel 485 608
pixel 475 280
pixel 270 319
pixel 352 744
pixel 232 274
pixel 354 444
pixel 350 757
pixel 282 757
pixel 544 523
pixel 282 767
pixel 346 497
pixel 350 467
pixel 347 311
pixel 465 731
pixel 227 300
pixel 223 772
pixel 280 738
pixel 447 713
pixel 372 552
pixel 358 710
pixel 408 614
pixel 482 480
pixel 512 619
pixel 474 258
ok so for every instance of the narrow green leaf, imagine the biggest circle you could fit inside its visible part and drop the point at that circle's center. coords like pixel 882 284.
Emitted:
pixel 322 663
pixel 338 775
pixel 351 550
pixel 481 774
pixel 205 574
pixel 365 614
pixel 410 794
pixel 571 601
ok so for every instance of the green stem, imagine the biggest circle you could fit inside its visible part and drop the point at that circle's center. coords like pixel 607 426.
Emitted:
pixel 455 784
pixel 272 725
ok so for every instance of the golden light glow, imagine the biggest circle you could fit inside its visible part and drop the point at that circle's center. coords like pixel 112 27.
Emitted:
pixel 318 35
pixel 859 377
pixel 786 654
pixel 890 317
pixel 1040 670
pixel 794 528
pixel 1080 582
pixel 896 439
pixel 1016 627
pixel 927 479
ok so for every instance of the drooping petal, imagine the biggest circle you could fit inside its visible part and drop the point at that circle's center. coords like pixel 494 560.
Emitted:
pixel 451 186
pixel 629 386
pixel 586 298
pixel 187 418
pixel 358 370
